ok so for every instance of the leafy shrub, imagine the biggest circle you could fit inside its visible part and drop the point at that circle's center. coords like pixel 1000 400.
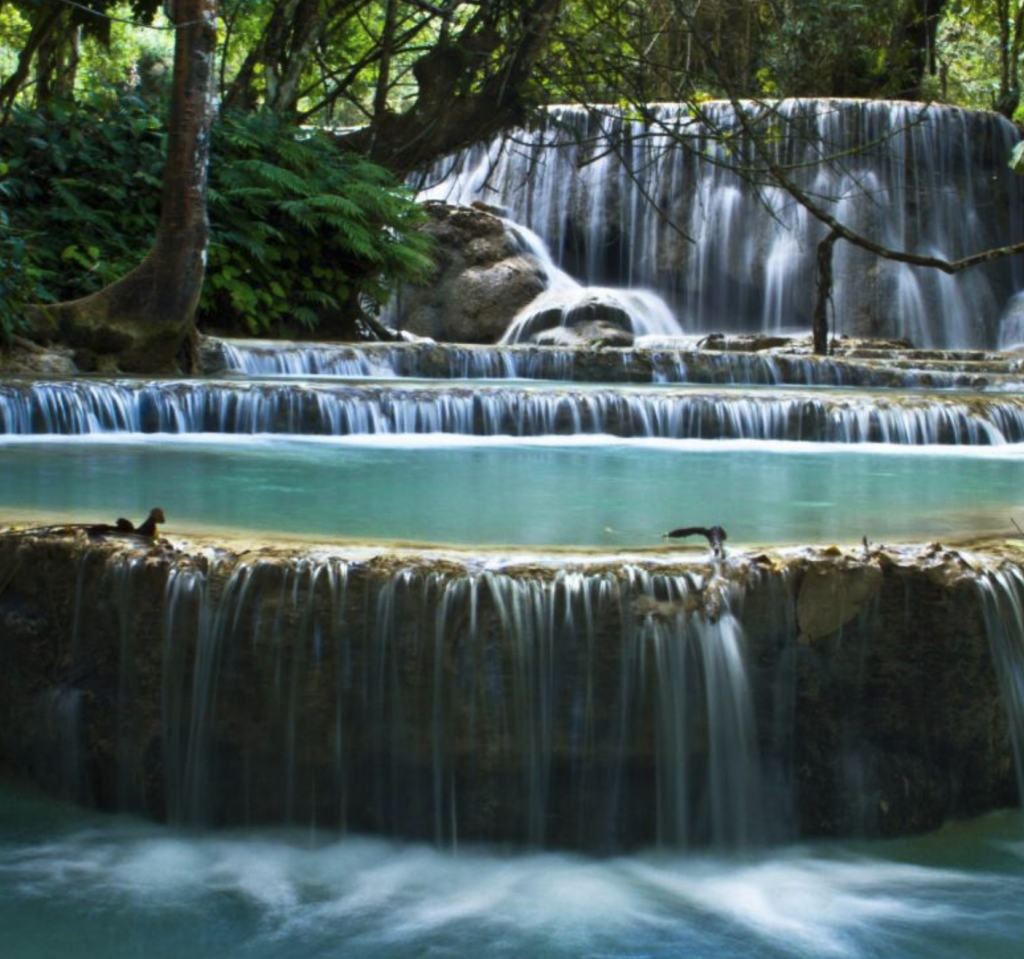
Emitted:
pixel 79 194
pixel 299 230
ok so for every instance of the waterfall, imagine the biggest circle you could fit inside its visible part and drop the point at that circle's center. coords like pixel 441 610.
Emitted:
pixel 655 203
pixel 1002 593
pixel 648 362
pixel 58 719
pixel 524 707
pixel 182 407
pixel 566 303
pixel 702 659
pixel 448 361
pixel 123 574
pixel 270 357
pixel 598 703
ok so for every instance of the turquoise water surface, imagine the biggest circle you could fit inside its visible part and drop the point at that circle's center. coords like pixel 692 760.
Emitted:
pixel 587 491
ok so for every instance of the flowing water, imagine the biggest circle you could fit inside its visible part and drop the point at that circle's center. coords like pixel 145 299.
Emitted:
pixel 96 887
pixel 653 203
pixel 322 406
pixel 521 651
pixel 653 361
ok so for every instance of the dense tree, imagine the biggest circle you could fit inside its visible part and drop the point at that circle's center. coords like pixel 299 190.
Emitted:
pixel 420 78
pixel 851 48
pixel 47 63
pixel 413 79
pixel 978 51
pixel 677 49
pixel 302 237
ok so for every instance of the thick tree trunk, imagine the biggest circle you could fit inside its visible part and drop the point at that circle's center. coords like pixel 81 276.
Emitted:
pixel 143 319
pixel 445 117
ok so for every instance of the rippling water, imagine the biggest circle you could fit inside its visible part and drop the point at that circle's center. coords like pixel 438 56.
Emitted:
pixel 74 883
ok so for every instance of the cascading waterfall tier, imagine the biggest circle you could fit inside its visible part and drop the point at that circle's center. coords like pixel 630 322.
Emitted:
pixel 597 702
pixel 655 202
pixel 888 369
pixel 82 407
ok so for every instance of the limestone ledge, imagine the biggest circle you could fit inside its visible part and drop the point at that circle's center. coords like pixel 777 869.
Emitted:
pixel 206 679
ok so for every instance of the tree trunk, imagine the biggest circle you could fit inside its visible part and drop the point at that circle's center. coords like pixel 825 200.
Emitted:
pixel 823 294
pixel 57 61
pixel 448 116
pixel 143 319
pixel 918 30
pixel 42 27
pixel 292 31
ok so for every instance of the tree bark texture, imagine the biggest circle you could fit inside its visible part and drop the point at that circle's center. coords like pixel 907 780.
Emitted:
pixel 292 31
pixel 470 88
pixel 823 293
pixel 143 318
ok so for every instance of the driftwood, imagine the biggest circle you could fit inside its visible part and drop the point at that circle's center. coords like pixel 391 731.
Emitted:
pixel 148 529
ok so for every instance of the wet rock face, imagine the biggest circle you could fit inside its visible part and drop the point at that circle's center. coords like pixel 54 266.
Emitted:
pixel 588 321
pixel 897 711
pixel 23 356
pixel 482 279
pixel 568 707
pixel 830 597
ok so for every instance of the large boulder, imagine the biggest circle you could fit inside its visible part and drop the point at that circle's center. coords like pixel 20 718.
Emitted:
pixel 576 317
pixel 484 275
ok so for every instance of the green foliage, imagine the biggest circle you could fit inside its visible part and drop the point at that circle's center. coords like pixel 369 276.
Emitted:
pixel 77 199
pixel 298 230
pixel 978 55
pixel 301 230
pixel 16 280
pixel 14 30
pixel 833 48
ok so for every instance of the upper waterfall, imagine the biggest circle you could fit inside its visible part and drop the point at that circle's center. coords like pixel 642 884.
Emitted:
pixel 662 203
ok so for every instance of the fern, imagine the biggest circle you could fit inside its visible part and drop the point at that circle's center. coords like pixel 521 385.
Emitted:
pixel 298 230
pixel 278 177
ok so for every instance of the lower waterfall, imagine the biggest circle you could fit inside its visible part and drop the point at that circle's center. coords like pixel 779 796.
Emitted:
pixel 437 705
pixel 598 705
pixel 1003 593
pixel 598 756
